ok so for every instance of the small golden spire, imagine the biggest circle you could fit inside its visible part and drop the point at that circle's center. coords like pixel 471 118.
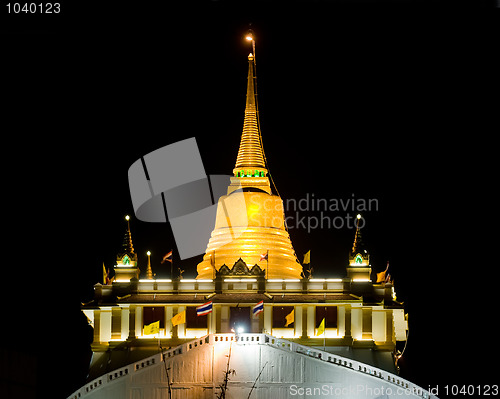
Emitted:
pixel 357 236
pixel 149 271
pixel 128 247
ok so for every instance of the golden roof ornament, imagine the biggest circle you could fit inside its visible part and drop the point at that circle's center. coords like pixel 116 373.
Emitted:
pixel 357 236
pixel 128 247
pixel 149 271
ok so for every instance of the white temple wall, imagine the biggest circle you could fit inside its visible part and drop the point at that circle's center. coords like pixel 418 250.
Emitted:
pixel 288 371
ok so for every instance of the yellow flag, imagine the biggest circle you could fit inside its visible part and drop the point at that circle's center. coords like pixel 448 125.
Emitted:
pixel 179 318
pixel 381 277
pixel 153 328
pixel 104 274
pixel 290 318
pixel 307 258
pixel 321 328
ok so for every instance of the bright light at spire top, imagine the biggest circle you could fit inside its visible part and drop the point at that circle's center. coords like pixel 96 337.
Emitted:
pixel 249 35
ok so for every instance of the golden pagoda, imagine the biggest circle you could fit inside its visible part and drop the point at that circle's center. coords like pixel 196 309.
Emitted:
pixel 250 223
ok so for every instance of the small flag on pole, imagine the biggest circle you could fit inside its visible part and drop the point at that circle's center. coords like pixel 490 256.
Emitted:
pixel 167 258
pixel 307 258
pixel 179 318
pixel 321 328
pixel 290 318
pixel 104 275
pixel 264 256
pixel 153 328
pixel 258 308
pixel 381 277
pixel 204 309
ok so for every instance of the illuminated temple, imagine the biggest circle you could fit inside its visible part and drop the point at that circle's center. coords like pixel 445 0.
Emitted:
pixel 249 259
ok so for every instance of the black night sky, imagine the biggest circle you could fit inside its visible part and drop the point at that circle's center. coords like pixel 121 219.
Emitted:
pixel 355 101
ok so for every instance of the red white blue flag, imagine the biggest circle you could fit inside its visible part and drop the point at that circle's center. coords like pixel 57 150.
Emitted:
pixel 204 309
pixel 167 258
pixel 258 308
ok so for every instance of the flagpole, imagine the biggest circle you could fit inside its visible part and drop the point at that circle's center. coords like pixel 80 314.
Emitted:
pixel 267 261
pixel 212 261
pixel 324 338
pixel 324 333
pixel 172 266
pixel 166 369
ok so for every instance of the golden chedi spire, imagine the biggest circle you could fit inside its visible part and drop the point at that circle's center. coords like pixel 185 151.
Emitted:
pixel 126 261
pixel 357 236
pixel 250 219
pixel 250 169
pixel 359 259
pixel 128 247
pixel 359 253
pixel 250 160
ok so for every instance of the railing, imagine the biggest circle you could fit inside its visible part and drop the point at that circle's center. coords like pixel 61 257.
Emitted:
pixel 127 370
pixel 208 285
pixel 251 339
pixel 328 357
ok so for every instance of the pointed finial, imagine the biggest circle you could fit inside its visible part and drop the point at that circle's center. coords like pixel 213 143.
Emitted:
pixel 128 247
pixel 357 236
pixel 149 271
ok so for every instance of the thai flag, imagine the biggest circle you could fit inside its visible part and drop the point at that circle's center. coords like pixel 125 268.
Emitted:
pixel 204 309
pixel 258 308
pixel 167 258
